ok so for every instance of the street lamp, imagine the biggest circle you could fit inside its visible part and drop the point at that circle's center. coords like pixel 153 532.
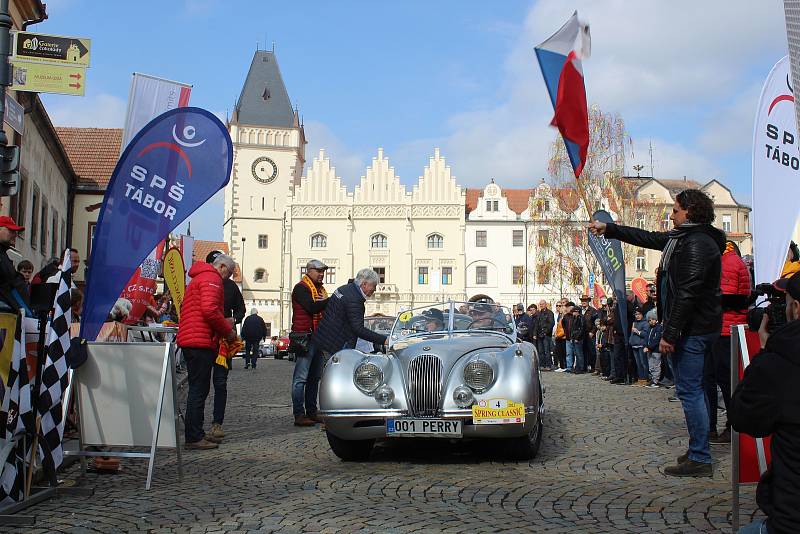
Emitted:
pixel 242 268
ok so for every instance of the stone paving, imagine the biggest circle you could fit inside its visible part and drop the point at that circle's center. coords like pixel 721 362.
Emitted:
pixel 599 470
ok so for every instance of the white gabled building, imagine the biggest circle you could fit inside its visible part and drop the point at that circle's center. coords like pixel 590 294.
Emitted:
pixel 413 240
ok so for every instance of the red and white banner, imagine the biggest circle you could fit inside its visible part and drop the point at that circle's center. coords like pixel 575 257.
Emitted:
pixel 150 97
pixel 776 174
pixel 142 285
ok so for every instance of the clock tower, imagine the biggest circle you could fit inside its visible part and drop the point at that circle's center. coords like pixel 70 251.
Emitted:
pixel 269 148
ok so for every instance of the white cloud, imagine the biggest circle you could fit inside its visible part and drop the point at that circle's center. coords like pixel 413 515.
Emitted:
pixel 349 165
pixel 671 161
pixel 651 60
pixel 730 128
pixel 98 111
pixel 652 53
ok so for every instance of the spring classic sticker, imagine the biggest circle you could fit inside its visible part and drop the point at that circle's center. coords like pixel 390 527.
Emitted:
pixel 498 412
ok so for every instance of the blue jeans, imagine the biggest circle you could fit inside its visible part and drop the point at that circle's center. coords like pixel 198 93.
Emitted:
pixel 759 526
pixel 544 345
pixel 305 381
pixel 575 355
pixel 688 361
pixel 641 362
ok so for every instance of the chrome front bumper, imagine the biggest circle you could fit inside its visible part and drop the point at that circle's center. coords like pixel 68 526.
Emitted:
pixel 371 424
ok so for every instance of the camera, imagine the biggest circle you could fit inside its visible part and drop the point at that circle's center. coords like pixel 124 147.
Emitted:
pixel 776 310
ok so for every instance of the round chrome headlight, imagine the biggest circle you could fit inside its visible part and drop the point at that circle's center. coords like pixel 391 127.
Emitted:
pixel 463 397
pixel 368 377
pixel 478 375
pixel 384 396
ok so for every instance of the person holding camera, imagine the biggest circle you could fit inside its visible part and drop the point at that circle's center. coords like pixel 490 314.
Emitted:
pixel 309 300
pixel 689 305
pixel 767 401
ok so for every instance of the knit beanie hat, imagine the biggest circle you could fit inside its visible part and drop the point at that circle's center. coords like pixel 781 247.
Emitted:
pixel 652 314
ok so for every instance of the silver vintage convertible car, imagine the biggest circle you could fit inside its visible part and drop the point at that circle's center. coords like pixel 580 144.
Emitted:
pixel 452 370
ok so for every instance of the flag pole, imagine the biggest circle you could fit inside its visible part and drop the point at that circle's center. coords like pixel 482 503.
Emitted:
pixel 35 445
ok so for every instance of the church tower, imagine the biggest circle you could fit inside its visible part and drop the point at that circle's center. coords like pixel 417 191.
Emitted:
pixel 269 149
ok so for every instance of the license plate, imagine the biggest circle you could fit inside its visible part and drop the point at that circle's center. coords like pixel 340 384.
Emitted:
pixel 432 428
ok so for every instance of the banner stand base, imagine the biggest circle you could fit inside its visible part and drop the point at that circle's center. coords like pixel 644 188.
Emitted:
pixel 8 514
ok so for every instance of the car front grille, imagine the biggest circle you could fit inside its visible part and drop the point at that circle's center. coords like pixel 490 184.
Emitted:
pixel 425 385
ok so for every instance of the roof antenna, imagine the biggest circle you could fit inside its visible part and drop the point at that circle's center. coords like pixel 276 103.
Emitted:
pixel 273 47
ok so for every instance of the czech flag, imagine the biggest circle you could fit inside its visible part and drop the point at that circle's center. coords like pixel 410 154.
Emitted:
pixel 560 60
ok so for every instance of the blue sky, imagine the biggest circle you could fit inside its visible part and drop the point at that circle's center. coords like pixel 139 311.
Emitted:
pixel 456 74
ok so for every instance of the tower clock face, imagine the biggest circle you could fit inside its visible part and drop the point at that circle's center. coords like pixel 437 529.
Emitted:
pixel 264 170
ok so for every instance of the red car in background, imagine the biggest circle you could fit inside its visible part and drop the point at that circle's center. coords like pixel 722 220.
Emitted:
pixel 282 346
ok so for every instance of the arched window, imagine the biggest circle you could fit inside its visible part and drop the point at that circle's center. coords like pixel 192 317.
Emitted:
pixel 435 241
pixel 319 241
pixel 260 275
pixel 379 241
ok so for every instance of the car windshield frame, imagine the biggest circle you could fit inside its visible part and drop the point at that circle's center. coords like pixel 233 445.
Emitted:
pixel 400 329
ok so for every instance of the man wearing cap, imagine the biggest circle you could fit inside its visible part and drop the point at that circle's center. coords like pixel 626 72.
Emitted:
pixel 309 299
pixel 767 401
pixel 13 289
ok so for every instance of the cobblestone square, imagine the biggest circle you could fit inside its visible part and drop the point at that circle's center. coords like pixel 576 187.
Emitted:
pixel 599 470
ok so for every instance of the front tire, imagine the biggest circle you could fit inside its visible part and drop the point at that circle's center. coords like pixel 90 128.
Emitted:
pixel 355 450
pixel 526 447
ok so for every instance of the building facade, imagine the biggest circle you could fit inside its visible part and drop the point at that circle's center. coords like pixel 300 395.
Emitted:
pixel 731 216
pixel 94 153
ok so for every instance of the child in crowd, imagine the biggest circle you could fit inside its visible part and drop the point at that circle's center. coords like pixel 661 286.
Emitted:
pixel 604 344
pixel 639 334
pixel 651 348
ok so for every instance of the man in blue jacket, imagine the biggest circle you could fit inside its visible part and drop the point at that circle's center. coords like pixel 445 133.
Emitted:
pixel 343 322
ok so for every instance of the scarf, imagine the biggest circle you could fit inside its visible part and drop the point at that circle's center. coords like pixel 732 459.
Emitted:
pixel 675 235
pixel 227 350
pixel 317 294
pixel 728 247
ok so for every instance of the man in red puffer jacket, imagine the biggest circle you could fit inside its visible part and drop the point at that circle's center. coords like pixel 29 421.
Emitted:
pixel 735 286
pixel 201 326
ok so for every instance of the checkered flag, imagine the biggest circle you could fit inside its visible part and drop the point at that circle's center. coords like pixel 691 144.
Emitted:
pixel 16 419
pixel 54 372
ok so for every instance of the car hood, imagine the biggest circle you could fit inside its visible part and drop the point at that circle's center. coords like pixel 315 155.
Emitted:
pixel 448 348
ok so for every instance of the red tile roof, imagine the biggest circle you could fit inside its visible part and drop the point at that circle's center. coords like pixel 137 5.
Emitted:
pixel 518 199
pixel 93 153
pixel 202 248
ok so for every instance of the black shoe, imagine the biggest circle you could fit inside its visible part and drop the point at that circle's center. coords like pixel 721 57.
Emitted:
pixel 683 457
pixel 247 366
pixel 721 439
pixel 617 381
pixel 690 468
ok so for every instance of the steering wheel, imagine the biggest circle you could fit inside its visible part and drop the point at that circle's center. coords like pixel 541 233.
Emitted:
pixel 492 319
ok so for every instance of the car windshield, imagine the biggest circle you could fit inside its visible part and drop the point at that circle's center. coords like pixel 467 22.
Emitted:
pixel 380 323
pixel 466 317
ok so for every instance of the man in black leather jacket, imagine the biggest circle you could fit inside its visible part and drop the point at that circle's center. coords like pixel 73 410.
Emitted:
pixel 689 304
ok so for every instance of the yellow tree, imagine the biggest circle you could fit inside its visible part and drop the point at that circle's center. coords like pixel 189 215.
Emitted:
pixel 601 185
